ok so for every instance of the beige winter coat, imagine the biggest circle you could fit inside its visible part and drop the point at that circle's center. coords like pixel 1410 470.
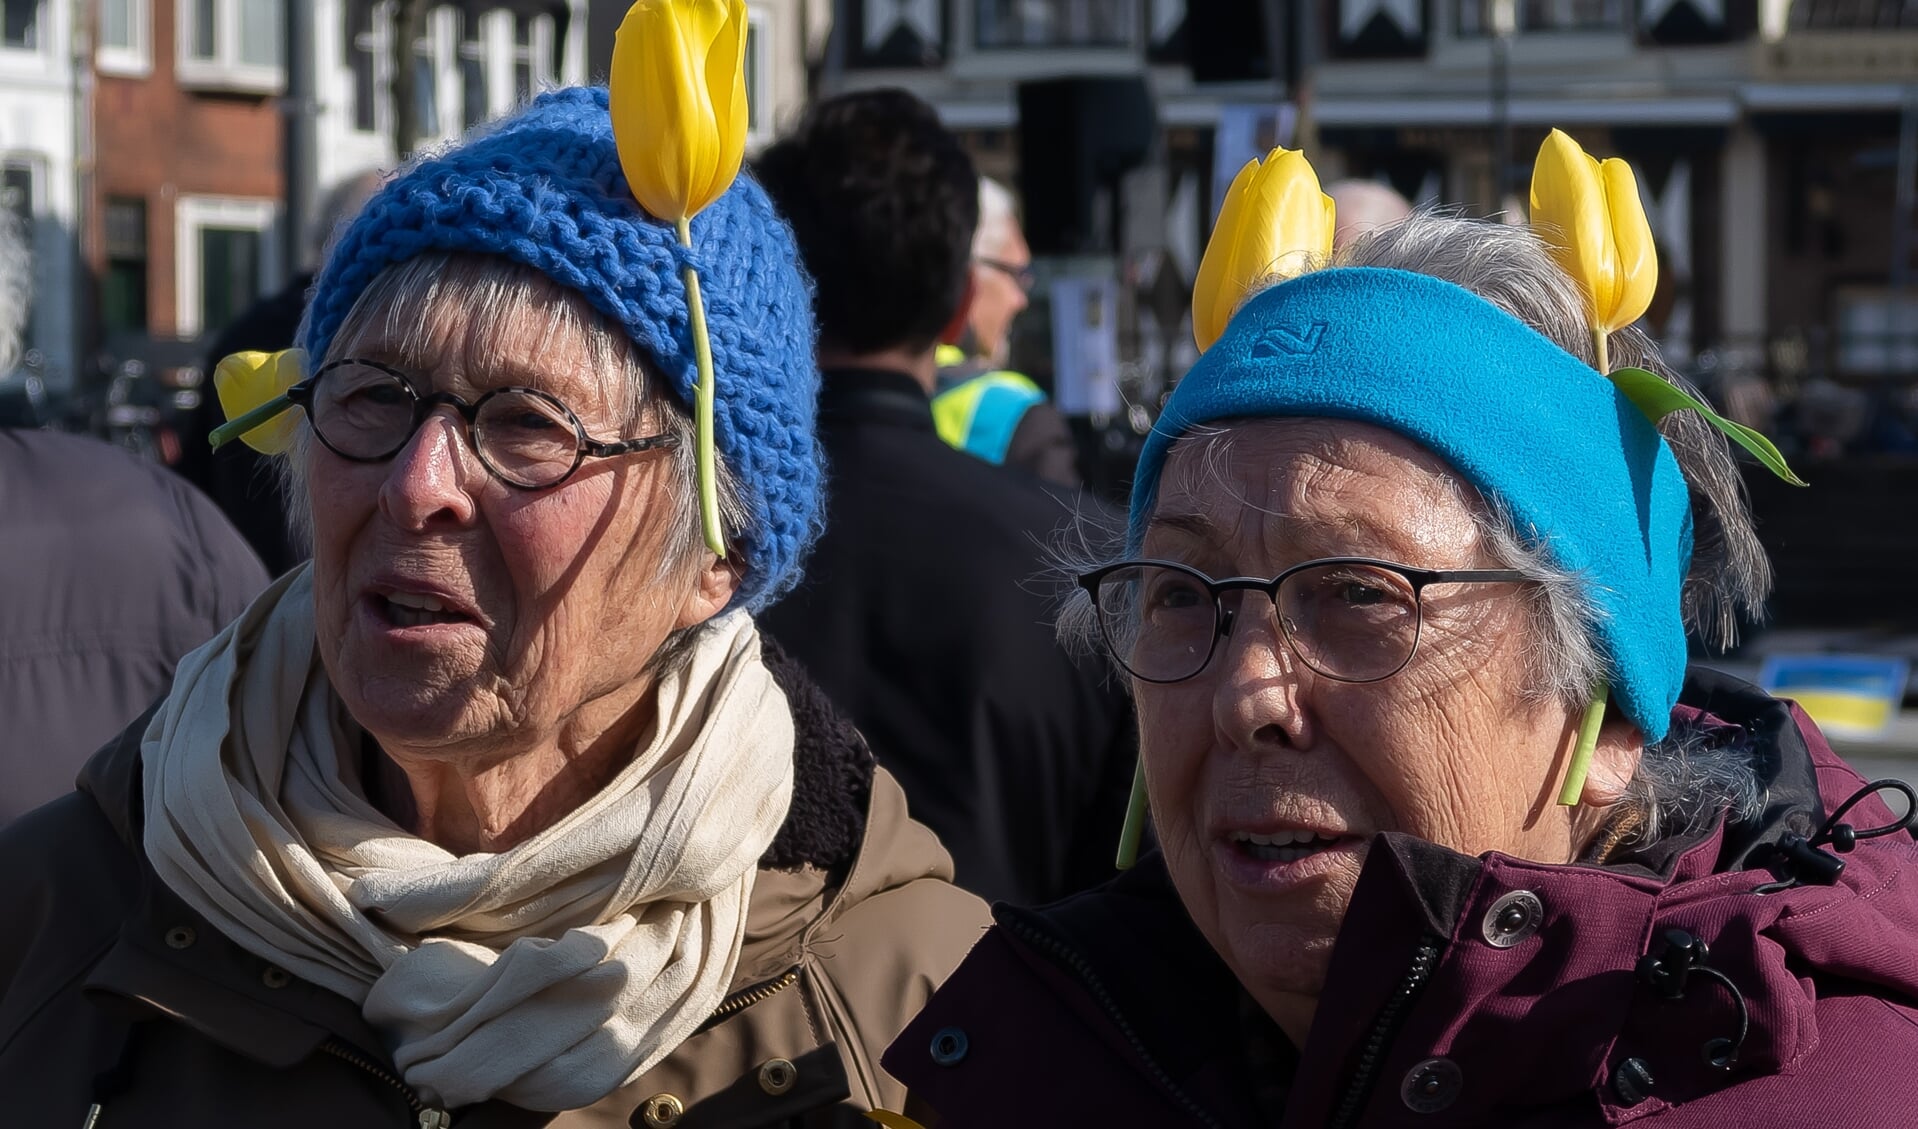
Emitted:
pixel 113 993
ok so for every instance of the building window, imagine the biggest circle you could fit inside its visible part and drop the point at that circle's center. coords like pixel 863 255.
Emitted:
pixel 363 46
pixel 1054 23
pixel 1475 17
pixel 123 290
pixel 17 197
pixel 125 36
pixel 759 84
pixel 20 24
pixel 426 100
pixel 225 259
pixel 475 105
pixel 233 44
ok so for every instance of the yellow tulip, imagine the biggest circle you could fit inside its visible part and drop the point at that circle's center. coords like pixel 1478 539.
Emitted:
pixel 252 382
pixel 678 102
pixel 1589 215
pixel 678 99
pixel 1275 222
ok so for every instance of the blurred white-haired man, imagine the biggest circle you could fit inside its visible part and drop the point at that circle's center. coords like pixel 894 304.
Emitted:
pixel 980 406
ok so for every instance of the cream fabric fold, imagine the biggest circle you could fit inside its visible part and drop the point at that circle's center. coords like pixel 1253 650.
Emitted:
pixel 549 974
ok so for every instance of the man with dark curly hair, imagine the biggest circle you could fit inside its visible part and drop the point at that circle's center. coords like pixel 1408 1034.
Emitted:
pixel 916 615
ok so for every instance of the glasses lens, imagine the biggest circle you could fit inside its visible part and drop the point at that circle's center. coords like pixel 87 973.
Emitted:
pixel 527 438
pixel 1352 622
pixel 1158 622
pixel 362 412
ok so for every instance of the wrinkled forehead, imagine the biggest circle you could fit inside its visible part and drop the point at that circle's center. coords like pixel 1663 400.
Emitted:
pixel 1346 486
pixel 466 325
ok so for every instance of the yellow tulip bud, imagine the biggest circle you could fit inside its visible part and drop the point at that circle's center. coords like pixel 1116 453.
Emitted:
pixel 1590 217
pixel 248 381
pixel 678 100
pixel 1274 223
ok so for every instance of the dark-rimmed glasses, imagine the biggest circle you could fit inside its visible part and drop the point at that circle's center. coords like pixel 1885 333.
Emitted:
pixel 1351 619
pixel 366 412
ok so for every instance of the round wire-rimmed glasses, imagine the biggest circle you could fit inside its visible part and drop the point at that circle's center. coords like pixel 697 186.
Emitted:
pixel 1351 619
pixel 366 412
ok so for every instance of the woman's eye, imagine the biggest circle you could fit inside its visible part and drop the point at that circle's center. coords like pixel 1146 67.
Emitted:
pixel 1178 596
pixel 1359 594
pixel 533 421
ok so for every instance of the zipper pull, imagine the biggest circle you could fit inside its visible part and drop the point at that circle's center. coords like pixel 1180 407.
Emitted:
pixel 93 1116
pixel 435 1119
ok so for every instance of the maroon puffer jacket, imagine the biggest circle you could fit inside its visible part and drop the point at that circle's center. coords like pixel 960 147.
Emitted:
pixel 1477 991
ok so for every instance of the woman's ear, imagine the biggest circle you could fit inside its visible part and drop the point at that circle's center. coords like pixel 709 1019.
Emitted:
pixel 1614 762
pixel 713 588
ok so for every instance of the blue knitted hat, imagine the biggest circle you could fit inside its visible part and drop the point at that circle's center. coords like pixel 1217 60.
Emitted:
pixel 1577 463
pixel 544 188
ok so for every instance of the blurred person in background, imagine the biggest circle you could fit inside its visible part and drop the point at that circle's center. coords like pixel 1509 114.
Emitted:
pixel 915 615
pixel 980 406
pixel 1364 206
pixel 113 568
pixel 499 812
pixel 238 479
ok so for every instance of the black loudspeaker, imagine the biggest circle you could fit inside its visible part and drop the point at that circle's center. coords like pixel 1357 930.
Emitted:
pixel 1077 136
pixel 1233 40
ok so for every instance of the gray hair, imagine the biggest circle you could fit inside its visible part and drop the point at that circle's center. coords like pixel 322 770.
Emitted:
pixel 500 298
pixel 996 210
pixel 16 288
pixel 1685 780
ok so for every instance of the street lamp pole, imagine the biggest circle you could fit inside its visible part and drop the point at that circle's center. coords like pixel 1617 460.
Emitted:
pixel 1504 20
pixel 301 146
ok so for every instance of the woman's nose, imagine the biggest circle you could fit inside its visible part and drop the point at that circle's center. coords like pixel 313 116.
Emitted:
pixel 1259 684
pixel 432 480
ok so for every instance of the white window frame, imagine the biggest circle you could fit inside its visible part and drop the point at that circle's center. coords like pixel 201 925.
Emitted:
pixel 35 164
pixel 539 56
pixel 192 214
pixel 225 71
pixel 134 60
pixel 760 20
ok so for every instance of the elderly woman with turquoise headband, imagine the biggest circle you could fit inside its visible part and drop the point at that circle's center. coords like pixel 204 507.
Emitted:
pixel 501 812
pixel 1448 835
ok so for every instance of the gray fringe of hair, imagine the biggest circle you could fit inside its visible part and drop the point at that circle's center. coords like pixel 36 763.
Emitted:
pixel 1685 780
pixel 501 298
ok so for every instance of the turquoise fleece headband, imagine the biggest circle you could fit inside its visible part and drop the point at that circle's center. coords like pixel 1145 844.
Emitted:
pixel 1577 463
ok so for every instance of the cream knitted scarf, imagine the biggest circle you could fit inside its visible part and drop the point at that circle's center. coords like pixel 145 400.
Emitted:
pixel 547 975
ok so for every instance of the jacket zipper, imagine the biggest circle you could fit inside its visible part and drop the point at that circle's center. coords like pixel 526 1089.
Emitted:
pixel 1384 1029
pixel 1063 954
pixel 741 1000
pixel 429 1118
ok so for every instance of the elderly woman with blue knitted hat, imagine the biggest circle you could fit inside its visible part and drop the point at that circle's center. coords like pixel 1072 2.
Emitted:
pixel 501 812
pixel 1447 834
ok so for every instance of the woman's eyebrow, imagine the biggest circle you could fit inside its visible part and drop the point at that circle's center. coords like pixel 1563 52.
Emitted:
pixel 1194 525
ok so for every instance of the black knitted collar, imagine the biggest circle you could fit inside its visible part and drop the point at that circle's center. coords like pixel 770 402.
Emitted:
pixel 832 776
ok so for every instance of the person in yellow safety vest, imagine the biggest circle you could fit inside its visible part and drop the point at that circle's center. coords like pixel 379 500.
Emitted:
pixel 981 407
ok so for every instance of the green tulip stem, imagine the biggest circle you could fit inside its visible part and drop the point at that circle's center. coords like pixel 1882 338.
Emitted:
pixel 1134 829
pixel 703 402
pixel 1601 348
pixel 1587 741
pixel 234 428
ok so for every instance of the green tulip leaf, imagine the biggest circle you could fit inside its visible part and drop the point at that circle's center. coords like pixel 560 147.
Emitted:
pixel 1658 398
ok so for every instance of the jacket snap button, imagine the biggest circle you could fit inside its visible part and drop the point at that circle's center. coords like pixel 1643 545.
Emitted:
pixel 179 937
pixel 1432 1085
pixel 1512 919
pixel 949 1047
pixel 778 1076
pixel 663 1111
pixel 275 977
pixel 1632 1082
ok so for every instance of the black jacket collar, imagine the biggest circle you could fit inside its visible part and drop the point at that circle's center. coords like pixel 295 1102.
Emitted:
pixel 858 395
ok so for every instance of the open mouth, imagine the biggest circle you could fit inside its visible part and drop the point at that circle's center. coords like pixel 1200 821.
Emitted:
pixel 409 609
pixel 1282 846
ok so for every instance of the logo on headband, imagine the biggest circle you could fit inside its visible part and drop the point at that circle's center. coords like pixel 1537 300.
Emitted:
pixel 1283 342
